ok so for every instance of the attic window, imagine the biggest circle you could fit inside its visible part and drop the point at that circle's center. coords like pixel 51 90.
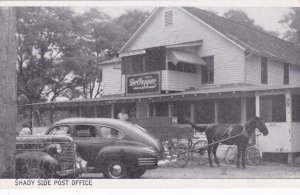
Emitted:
pixel 168 18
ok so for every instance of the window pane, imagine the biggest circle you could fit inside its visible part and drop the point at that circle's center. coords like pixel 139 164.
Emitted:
pixel 264 70
pixel 137 64
pixel 110 133
pixel 286 75
pixel 61 130
pixel 181 110
pixel 296 107
pixel 207 71
pixel 229 110
pixel 272 108
pixel 85 131
pixel 161 109
pixel 204 112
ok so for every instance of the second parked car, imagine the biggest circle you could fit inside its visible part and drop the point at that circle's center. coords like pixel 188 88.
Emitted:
pixel 116 148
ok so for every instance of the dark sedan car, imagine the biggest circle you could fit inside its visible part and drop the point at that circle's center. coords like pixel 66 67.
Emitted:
pixel 116 148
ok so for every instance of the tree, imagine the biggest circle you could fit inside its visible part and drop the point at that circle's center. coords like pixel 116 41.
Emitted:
pixel 292 19
pixel 43 36
pixel 241 17
pixel 8 111
pixel 130 21
pixel 94 34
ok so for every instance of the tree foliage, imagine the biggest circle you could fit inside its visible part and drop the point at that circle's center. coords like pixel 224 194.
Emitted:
pixel 292 19
pixel 59 51
pixel 241 17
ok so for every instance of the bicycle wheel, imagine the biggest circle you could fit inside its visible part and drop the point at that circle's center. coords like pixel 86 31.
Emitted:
pixel 253 156
pixel 199 153
pixel 230 155
pixel 182 153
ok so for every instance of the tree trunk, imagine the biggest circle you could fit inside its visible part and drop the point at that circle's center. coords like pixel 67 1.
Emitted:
pixel 8 95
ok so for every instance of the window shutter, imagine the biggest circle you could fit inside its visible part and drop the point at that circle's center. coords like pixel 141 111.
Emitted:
pixel 169 18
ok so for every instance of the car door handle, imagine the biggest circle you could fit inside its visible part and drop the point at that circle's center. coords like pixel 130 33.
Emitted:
pixel 95 142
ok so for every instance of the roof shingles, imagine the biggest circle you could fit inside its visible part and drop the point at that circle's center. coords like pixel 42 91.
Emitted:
pixel 250 38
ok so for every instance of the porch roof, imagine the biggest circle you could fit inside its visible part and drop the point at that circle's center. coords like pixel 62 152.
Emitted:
pixel 213 91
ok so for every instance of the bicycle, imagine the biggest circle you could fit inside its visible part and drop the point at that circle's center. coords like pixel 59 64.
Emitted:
pixel 178 151
pixel 253 155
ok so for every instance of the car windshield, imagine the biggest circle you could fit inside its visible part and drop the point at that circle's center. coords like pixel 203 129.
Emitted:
pixel 61 130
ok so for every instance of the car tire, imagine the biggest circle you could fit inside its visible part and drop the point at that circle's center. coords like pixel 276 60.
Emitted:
pixel 134 174
pixel 115 170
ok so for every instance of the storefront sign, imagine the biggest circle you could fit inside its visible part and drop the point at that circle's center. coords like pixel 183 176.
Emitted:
pixel 145 83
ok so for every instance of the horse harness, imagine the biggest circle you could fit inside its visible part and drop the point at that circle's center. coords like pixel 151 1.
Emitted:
pixel 244 132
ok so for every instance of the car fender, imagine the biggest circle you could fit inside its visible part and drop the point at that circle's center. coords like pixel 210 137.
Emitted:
pixel 40 160
pixel 125 153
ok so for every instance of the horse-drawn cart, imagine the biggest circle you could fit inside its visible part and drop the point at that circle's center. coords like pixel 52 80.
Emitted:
pixel 176 138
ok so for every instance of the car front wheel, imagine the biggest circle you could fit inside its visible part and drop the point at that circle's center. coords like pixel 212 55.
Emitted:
pixel 115 170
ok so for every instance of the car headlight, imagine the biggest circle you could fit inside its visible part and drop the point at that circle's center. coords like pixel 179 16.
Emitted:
pixel 58 149
pixel 149 149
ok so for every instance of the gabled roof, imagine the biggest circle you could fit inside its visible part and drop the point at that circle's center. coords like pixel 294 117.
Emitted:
pixel 111 61
pixel 250 38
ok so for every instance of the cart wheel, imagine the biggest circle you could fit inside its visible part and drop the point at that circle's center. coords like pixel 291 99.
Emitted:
pixel 199 153
pixel 182 153
pixel 253 155
pixel 230 155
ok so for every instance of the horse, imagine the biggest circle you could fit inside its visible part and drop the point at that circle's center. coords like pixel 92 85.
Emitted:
pixel 241 135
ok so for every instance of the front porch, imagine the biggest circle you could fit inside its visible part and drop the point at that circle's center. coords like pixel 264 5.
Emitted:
pixel 278 106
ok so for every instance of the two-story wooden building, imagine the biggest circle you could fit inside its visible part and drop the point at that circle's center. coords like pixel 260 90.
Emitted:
pixel 186 62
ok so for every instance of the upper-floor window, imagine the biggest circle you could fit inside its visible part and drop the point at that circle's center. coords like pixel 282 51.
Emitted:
pixel 264 70
pixel 182 67
pixel 207 71
pixel 286 74
pixel 168 18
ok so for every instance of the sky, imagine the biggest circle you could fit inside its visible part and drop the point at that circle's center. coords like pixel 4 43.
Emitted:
pixel 267 17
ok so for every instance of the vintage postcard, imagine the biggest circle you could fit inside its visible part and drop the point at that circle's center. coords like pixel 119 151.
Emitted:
pixel 140 91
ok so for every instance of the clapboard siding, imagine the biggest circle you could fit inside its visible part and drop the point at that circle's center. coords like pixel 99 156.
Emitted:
pixel 111 79
pixel 275 71
pixel 228 58
pixel 294 74
pixel 179 81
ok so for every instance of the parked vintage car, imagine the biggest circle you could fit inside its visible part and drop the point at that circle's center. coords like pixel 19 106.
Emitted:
pixel 115 148
pixel 47 156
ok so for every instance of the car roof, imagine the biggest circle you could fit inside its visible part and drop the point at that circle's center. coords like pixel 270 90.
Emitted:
pixel 81 120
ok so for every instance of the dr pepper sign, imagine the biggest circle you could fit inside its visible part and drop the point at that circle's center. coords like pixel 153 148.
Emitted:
pixel 144 83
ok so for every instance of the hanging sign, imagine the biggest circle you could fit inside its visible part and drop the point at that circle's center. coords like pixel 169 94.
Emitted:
pixel 143 83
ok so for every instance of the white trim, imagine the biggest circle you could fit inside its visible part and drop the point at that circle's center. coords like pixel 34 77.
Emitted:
pixel 140 28
pixel 224 36
pixel 131 53
pixel 199 20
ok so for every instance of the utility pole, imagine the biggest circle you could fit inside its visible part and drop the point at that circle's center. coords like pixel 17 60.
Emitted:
pixel 8 92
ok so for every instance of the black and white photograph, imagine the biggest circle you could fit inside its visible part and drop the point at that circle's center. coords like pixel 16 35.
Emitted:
pixel 92 92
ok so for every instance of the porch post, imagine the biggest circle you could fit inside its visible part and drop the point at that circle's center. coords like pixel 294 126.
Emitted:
pixel 112 110
pixel 96 113
pixel 80 112
pixel 257 105
pixel 51 115
pixel 243 110
pixel 170 109
pixel 288 114
pixel 154 110
pixel 192 112
pixel 216 106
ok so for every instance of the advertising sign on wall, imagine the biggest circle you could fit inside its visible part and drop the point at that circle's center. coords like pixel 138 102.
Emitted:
pixel 144 83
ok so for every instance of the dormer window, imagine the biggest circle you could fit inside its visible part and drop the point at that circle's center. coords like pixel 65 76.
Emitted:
pixel 168 18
